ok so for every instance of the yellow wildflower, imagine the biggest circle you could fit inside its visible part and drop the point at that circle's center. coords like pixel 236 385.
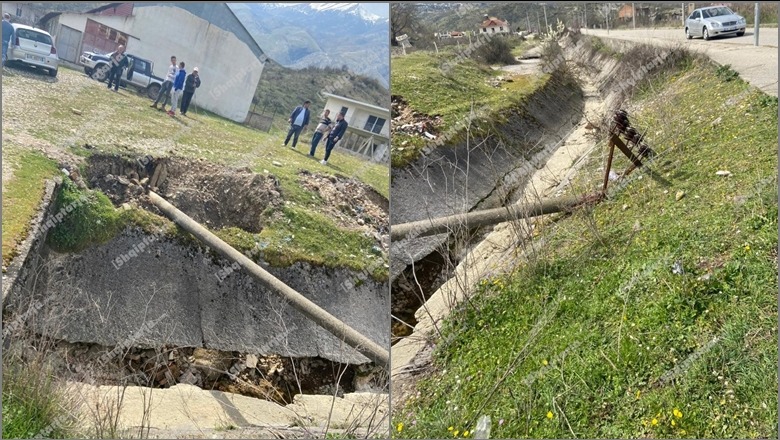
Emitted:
pixel 654 422
pixel 466 433
pixel 450 429
pixel 455 433
pixel 544 362
pixel 400 427
pixel 549 414
pixel 673 423
pixel 677 413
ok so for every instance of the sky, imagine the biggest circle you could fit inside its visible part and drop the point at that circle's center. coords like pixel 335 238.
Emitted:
pixel 380 9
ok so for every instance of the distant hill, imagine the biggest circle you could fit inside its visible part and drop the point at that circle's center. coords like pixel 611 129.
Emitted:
pixel 280 89
pixel 333 35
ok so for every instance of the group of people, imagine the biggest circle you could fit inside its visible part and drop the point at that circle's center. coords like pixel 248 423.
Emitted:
pixel 177 85
pixel 332 131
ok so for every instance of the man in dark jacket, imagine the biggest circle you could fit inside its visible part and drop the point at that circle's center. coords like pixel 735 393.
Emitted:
pixel 190 84
pixel 8 33
pixel 299 119
pixel 335 135
pixel 118 62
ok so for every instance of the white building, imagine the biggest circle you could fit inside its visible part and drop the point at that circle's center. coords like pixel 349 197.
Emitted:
pixel 21 12
pixel 493 25
pixel 368 132
pixel 206 35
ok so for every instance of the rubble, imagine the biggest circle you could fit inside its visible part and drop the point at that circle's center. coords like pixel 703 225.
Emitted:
pixel 409 121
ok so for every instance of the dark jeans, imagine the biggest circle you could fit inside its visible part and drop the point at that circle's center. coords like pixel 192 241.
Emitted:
pixel 5 52
pixel 115 74
pixel 329 147
pixel 294 130
pixel 315 140
pixel 165 90
pixel 185 101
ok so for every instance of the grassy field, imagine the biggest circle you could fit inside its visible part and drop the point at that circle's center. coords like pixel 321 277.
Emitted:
pixel 652 314
pixel 420 80
pixel 75 111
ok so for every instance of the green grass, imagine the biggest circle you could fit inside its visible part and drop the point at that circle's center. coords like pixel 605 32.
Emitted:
pixel 586 331
pixel 124 124
pixel 22 195
pixel 418 77
pixel 32 404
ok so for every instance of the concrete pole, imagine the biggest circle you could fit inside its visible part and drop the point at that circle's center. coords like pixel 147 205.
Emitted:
pixel 633 15
pixel 367 347
pixel 544 8
pixel 585 14
pixel 683 14
pixel 528 21
pixel 538 24
pixel 437 47
pixel 755 25
pixel 425 228
pixel 606 17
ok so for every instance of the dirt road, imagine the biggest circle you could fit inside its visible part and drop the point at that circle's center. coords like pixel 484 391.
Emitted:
pixel 756 65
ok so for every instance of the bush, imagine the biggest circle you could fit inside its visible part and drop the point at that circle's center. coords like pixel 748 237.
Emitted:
pixel 496 51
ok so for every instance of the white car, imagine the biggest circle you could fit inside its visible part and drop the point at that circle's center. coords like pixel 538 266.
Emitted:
pixel 714 21
pixel 34 47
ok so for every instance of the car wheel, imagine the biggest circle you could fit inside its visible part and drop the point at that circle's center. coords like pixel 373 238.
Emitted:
pixel 100 73
pixel 705 33
pixel 88 71
pixel 688 34
pixel 152 91
pixel 53 72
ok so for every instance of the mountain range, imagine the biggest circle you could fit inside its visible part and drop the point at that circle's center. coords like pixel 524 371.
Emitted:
pixel 323 35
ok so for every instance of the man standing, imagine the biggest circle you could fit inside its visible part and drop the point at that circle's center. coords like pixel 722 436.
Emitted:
pixel 178 87
pixel 118 63
pixel 165 89
pixel 299 119
pixel 190 84
pixel 322 128
pixel 337 134
pixel 8 33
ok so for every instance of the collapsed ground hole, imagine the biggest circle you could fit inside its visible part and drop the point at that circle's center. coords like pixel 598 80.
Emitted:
pixel 274 378
pixel 215 196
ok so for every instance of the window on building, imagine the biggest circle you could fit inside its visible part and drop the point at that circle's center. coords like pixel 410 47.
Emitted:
pixel 344 111
pixel 374 124
pixel 501 29
pixel 484 30
pixel 18 10
pixel 493 30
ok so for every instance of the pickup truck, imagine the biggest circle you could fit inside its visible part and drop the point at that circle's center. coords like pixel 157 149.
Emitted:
pixel 140 75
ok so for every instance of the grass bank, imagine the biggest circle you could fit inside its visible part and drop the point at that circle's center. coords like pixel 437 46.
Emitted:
pixel 652 314
pixel 419 78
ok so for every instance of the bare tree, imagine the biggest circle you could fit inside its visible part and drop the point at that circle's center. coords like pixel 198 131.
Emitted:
pixel 403 17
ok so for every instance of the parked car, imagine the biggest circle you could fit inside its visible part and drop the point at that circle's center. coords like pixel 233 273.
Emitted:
pixel 714 21
pixel 33 47
pixel 140 75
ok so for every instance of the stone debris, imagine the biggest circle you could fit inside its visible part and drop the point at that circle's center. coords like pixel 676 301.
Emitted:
pixel 409 121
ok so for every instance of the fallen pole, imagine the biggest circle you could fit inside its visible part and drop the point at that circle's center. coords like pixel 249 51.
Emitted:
pixel 338 328
pixel 424 228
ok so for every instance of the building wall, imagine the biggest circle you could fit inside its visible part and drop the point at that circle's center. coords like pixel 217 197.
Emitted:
pixel 357 115
pixel 228 68
pixel 29 15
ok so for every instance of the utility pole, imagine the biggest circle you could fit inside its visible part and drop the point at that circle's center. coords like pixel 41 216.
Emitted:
pixel 585 14
pixel 528 21
pixel 546 26
pixel 538 24
pixel 755 26
pixel 633 15
pixel 606 16
pixel 683 14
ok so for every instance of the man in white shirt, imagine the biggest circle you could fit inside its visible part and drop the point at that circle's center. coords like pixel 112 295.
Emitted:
pixel 165 90
pixel 299 119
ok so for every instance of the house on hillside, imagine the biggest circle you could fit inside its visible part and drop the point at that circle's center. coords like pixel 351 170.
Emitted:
pixel 493 25
pixel 368 133
pixel 627 11
pixel 206 35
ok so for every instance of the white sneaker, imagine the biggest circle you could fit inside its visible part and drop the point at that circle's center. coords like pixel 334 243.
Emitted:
pixel 323 162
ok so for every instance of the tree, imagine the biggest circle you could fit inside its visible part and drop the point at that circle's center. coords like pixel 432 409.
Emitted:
pixel 403 17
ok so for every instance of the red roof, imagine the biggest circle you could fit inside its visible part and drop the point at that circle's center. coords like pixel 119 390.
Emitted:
pixel 493 22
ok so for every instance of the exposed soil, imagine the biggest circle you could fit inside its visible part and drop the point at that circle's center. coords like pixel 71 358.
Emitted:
pixel 352 203
pixel 410 121
pixel 216 196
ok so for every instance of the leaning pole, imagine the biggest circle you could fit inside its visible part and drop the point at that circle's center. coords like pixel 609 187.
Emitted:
pixel 424 228
pixel 335 326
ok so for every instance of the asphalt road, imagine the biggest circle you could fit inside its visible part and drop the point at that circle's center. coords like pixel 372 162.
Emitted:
pixel 755 64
